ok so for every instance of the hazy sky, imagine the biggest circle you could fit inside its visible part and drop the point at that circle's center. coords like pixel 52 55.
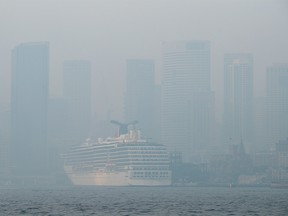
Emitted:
pixel 107 32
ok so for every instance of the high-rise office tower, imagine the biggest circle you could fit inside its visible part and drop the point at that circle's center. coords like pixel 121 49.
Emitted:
pixel 277 103
pixel 29 96
pixel 77 96
pixel 187 102
pixel 4 139
pixel 140 96
pixel 238 98
pixel 259 125
pixel 201 123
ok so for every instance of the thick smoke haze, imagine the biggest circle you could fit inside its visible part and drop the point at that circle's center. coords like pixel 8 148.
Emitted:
pixel 109 32
pixel 187 94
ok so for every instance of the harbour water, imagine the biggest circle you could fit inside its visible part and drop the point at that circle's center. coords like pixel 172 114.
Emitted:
pixel 144 201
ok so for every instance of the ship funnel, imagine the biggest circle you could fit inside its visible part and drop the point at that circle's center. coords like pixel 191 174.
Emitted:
pixel 123 127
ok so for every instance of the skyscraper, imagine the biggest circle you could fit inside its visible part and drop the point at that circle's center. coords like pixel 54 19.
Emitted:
pixel 238 98
pixel 260 119
pixel 4 138
pixel 29 96
pixel 277 103
pixel 186 96
pixel 77 96
pixel 140 96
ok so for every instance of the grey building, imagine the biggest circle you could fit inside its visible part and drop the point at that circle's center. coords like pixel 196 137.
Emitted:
pixel 77 97
pixel 140 97
pixel 187 101
pixel 277 104
pixel 29 97
pixel 260 120
pixel 4 139
pixel 57 133
pixel 201 123
pixel 238 98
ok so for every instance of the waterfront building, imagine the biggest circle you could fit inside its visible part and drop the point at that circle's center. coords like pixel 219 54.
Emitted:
pixel 57 133
pixel 277 104
pixel 4 139
pixel 238 98
pixel 187 101
pixel 29 97
pixel 259 125
pixel 141 97
pixel 77 97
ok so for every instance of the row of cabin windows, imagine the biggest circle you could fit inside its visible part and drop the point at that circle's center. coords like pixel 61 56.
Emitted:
pixel 150 174
pixel 155 148
pixel 150 168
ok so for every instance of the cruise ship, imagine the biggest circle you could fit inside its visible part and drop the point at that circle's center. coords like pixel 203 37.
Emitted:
pixel 125 160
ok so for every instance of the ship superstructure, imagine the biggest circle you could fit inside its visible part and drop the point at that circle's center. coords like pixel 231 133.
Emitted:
pixel 125 160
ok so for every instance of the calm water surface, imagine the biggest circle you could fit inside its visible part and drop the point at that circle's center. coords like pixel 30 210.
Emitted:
pixel 144 201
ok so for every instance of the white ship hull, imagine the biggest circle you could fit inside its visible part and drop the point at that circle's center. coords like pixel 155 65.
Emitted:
pixel 101 179
pixel 149 182
pixel 114 179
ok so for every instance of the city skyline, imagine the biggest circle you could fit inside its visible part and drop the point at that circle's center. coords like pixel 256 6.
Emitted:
pixel 234 56
pixel 226 56
pixel 106 41
pixel 190 74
